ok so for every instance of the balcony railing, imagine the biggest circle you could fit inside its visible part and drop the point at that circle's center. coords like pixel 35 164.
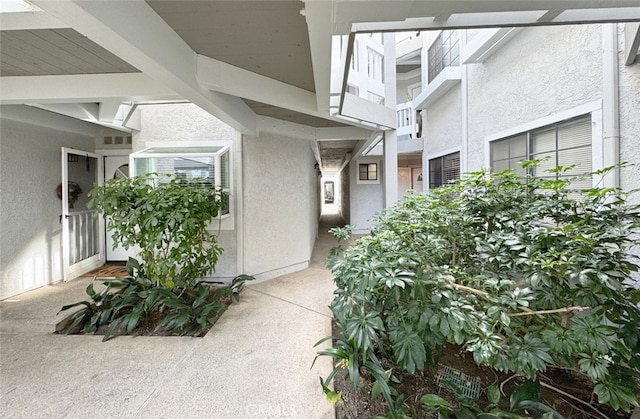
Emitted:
pixel 406 120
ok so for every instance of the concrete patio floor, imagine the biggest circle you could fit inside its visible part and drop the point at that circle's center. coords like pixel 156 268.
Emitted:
pixel 254 363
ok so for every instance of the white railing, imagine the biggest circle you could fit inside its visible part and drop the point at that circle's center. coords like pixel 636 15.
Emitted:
pixel 83 235
pixel 406 120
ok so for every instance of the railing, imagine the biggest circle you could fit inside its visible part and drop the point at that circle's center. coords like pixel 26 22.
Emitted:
pixel 406 120
pixel 83 235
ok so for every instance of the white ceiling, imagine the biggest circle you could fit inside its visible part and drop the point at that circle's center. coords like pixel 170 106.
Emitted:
pixel 242 61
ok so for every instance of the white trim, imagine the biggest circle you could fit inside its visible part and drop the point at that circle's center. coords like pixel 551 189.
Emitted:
pixel 547 120
pixel 264 276
pixel 443 153
pixel 593 109
pixel 427 157
pixel 369 160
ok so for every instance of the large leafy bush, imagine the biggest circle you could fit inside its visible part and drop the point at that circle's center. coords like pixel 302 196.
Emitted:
pixel 167 219
pixel 522 272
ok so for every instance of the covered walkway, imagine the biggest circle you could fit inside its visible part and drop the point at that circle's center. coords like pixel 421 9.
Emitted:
pixel 254 363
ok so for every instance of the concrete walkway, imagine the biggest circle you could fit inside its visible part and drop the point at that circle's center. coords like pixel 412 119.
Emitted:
pixel 254 363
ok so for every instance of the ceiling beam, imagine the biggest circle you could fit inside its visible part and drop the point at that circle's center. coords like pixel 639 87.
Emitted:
pixel 29 21
pixel 134 32
pixel 319 16
pixel 88 112
pixel 222 77
pixel 83 88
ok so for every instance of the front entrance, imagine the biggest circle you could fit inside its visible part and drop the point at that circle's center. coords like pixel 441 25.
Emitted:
pixel 81 232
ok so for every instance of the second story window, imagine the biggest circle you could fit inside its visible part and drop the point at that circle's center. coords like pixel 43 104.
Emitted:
pixel 374 65
pixel 444 52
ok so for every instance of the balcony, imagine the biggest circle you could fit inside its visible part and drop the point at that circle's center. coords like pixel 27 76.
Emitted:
pixel 406 121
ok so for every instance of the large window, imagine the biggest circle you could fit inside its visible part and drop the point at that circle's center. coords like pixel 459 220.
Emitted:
pixel 565 144
pixel 444 170
pixel 444 52
pixel 375 63
pixel 207 163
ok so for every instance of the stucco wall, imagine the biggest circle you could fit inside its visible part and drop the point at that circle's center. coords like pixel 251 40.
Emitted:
pixel 541 71
pixel 444 123
pixel 629 121
pixel 345 191
pixel 186 123
pixel 366 200
pixel 30 171
pixel 280 203
pixel 178 122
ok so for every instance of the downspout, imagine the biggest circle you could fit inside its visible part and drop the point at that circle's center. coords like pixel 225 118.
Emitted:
pixel 610 105
pixel 465 112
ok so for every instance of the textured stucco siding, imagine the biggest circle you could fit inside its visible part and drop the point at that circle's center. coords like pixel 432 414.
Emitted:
pixel 444 123
pixel 629 94
pixel 345 192
pixel 280 202
pixel 178 122
pixel 366 200
pixel 186 123
pixel 30 171
pixel 541 71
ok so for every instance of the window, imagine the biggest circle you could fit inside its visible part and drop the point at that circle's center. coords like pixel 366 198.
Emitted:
pixel 444 170
pixel 563 144
pixel 208 163
pixel 368 171
pixel 444 52
pixel 374 65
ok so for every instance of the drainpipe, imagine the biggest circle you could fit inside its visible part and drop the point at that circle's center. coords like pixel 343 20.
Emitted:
pixel 464 168
pixel 610 105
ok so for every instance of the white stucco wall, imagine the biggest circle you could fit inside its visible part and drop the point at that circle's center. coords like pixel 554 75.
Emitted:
pixel 30 171
pixel 178 122
pixel 345 193
pixel 541 71
pixel 366 200
pixel 443 124
pixel 186 123
pixel 280 204
pixel 629 93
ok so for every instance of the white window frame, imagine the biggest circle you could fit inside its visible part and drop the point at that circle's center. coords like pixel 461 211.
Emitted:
pixel 378 162
pixel 227 147
pixel 426 174
pixel 594 109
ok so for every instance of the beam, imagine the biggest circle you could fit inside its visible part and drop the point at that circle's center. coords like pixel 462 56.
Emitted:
pixel 319 16
pixel 87 112
pixel 29 21
pixel 222 77
pixel 83 88
pixel 133 31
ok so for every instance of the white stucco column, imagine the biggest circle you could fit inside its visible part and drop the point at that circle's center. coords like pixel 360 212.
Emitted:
pixel 390 137
pixel 610 104
pixel 390 168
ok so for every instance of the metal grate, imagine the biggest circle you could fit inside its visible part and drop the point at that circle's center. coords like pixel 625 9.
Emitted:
pixel 458 382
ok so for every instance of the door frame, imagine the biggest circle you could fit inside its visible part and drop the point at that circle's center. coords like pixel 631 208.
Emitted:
pixel 104 153
pixel 72 271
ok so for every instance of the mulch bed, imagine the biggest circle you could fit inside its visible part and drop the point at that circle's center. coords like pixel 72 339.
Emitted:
pixel 107 271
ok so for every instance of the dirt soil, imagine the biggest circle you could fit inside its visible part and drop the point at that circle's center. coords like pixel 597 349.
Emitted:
pixel 357 404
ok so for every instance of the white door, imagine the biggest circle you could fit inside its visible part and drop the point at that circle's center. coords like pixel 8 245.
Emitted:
pixel 81 231
pixel 116 167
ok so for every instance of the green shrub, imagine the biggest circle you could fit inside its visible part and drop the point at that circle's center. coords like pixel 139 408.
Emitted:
pixel 522 272
pixel 167 219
